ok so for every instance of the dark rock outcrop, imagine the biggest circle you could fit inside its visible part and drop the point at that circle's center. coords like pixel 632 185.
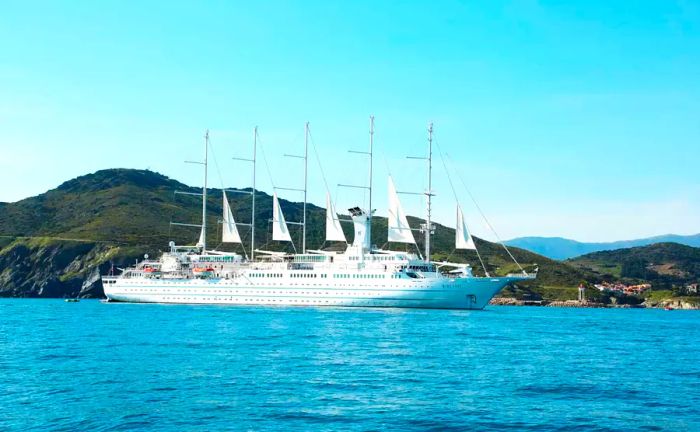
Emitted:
pixel 32 268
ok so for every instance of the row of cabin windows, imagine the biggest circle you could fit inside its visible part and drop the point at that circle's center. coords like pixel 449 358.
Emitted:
pixel 293 275
pixel 215 259
pixel 309 258
pixel 422 268
pixel 373 258
pixel 322 276
pixel 359 276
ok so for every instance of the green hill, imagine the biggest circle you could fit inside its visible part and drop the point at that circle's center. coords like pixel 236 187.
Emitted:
pixel 57 243
pixel 664 265
pixel 560 248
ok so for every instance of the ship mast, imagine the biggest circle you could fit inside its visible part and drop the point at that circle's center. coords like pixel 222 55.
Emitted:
pixel 368 228
pixel 252 223
pixel 306 163
pixel 304 190
pixel 369 213
pixel 252 193
pixel 427 228
pixel 429 193
pixel 203 233
pixel 204 192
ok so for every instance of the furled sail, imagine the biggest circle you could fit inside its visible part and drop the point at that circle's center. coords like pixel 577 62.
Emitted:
pixel 463 240
pixel 280 232
pixel 230 231
pixel 334 232
pixel 398 228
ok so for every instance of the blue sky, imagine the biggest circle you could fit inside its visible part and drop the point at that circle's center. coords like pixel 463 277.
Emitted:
pixel 577 119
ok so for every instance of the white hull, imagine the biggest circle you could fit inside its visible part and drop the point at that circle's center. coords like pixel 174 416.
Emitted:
pixel 361 276
pixel 434 293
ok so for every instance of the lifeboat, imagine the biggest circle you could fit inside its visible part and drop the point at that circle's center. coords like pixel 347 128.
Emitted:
pixel 203 271
pixel 151 271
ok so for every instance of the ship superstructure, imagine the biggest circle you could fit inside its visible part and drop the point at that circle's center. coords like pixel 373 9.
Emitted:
pixel 361 275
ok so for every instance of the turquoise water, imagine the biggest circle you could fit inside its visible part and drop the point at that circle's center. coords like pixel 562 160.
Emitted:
pixel 93 366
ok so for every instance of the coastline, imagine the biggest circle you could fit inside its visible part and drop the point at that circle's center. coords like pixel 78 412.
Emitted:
pixel 672 303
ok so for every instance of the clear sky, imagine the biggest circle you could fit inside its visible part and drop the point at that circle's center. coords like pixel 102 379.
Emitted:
pixel 578 119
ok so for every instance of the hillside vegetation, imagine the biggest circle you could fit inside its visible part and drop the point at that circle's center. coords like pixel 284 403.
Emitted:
pixel 664 265
pixel 115 215
pixel 560 248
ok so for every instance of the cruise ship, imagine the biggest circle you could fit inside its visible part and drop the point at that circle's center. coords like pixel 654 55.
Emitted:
pixel 362 275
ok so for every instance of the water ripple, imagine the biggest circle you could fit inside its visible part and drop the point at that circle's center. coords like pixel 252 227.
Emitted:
pixel 154 367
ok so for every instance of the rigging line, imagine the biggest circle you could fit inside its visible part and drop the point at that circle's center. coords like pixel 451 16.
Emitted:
pixel 483 266
pixel 454 192
pixel 449 177
pixel 493 230
pixel 418 250
pixel 386 164
pixel 337 192
pixel 318 161
pixel 478 255
pixel 216 164
pixel 323 175
pixel 223 188
pixel 269 175
pixel 267 166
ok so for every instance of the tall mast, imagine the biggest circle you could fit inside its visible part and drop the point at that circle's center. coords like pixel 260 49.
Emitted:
pixel 371 145
pixel 252 193
pixel 204 192
pixel 306 163
pixel 252 224
pixel 429 193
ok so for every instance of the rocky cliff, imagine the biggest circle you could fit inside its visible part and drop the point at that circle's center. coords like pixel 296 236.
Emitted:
pixel 40 268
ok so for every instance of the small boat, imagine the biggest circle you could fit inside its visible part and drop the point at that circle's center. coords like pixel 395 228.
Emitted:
pixel 71 300
pixel 151 271
pixel 668 308
pixel 203 272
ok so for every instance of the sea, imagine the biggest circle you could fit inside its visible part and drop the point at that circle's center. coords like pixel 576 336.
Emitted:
pixel 116 367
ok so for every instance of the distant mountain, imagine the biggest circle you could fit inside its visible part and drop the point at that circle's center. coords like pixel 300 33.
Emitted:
pixel 560 248
pixel 57 243
pixel 665 265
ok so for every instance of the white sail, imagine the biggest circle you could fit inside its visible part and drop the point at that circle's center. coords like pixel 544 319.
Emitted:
pixel 334 232
pixel 463 240
pixel 230 231
pixel 398 228
pixel 200 242
pixel 280 232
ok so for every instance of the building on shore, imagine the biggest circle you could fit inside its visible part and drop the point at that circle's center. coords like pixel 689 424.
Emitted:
pixel 620 288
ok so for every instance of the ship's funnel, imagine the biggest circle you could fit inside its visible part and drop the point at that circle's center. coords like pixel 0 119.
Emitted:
pixel 360 220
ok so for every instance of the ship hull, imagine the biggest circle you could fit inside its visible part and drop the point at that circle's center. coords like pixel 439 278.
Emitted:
pixel 439 293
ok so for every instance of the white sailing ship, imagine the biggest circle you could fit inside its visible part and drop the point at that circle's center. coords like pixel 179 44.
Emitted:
pixel 361 275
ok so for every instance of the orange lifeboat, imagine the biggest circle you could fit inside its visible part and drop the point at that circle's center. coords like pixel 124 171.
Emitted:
pixel 151 271
pixel 203 271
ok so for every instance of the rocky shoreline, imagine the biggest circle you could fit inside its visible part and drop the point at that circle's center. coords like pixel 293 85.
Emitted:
pixel 664 304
